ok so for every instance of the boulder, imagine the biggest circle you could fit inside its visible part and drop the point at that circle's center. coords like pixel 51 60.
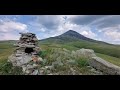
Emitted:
pixel 104 66
pixel 86 52
pixel 83 53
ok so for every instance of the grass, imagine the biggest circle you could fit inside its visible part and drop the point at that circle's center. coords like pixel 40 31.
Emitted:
pixel 111 50
pixel 108 49
pixel 82 62
pixel 6 68
pixel 108 55
pixel 62 55
pixel 61 51
pixel 6 49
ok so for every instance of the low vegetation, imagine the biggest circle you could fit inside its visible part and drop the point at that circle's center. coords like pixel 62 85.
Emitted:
pixel 59 55
pixel 103 48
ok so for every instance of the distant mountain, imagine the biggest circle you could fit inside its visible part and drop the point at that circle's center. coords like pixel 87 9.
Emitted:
pixel 73 40
pixel 74 34
pixel 71 36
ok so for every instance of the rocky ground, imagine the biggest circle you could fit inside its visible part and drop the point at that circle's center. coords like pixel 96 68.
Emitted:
pixel 65 62
pixel 55 61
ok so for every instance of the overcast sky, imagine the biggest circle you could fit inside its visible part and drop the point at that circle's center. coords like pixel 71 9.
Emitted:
pixel 100 27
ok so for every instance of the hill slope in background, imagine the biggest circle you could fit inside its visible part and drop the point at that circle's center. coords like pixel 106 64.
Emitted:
pixel 71 35
pixel 74 35
pixel 74 39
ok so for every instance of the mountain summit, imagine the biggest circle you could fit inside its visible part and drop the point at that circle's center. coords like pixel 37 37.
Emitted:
pixel 71 36
pixel 75 35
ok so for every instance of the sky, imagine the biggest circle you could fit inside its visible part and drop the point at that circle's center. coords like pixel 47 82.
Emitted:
pixel 99 27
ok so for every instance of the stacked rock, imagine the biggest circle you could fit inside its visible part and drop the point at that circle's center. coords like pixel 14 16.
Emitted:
pixel 26 54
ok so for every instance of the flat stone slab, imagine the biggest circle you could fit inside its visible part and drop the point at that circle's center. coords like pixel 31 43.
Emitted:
pixel 104 66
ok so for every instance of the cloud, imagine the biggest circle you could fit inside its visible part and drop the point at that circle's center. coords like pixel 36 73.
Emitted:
pixel 49 21
pixel 82 29
pixel 89 34
pixel 85 19
pixel 12 26
pixel 9 36
pixel 9 29
pixel 100 21
pixel 99 27
pixel 113 33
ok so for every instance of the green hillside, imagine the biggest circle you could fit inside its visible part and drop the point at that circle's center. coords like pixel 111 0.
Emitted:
pixel 103 48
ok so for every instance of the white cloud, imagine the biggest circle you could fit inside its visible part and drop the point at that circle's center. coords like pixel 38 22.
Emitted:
pixel 112 33
pixel 9 30
pixel 84 30
pixel 12 26
pixel 88 33
pixel 9 36
pixel 53 25
pixel 115 35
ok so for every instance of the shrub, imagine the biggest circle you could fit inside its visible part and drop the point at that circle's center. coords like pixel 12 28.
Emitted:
pixel 82 62
pixel 43 54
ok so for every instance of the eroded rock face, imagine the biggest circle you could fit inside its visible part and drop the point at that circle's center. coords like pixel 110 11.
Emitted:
pixel 26 53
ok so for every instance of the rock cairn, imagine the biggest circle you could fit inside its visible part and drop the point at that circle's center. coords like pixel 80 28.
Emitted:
pixel 26 54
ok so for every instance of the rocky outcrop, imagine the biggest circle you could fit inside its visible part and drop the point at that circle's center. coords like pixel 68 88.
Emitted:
pixel 26 54
pixel 104 66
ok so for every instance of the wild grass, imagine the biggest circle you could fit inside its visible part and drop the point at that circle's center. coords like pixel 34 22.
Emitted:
pixel 60 54
pixel 98 47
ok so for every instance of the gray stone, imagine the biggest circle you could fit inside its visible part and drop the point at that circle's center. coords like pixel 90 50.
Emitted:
pixel 27 46
pixel 27 71
pixel 50 74
pixel 30 66
pixel 18 55
pixel 41 72
pixel 35 65
pixel 40 59
pixel 104 66
pixel 35 72
pixel 49 67
pixel 86 52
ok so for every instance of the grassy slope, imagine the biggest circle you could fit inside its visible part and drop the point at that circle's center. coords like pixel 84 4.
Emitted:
pixel 99 47
pixel 6 49
pixel 72 46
